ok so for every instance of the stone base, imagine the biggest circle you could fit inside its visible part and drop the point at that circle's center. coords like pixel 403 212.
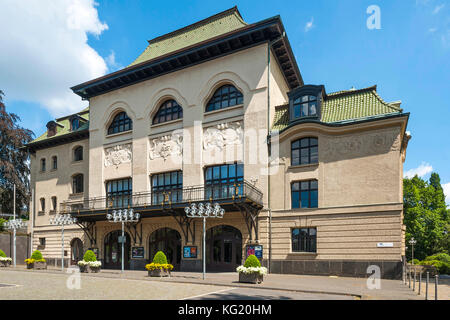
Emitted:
pixel 250 277
pixel 5 263
pixel 40 265
pixel 89 269
pixel 341 268
pixel 159 273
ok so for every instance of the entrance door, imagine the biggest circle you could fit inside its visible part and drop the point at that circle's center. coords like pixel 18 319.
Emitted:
pixel 223 249
pixel 168 241
pixel 113 251
pixel 76 251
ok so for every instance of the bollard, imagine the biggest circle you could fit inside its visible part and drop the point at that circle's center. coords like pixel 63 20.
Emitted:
pixel 414 284
pixel 420 281
pixel 409 273
pixel 426 286
pixel 436 287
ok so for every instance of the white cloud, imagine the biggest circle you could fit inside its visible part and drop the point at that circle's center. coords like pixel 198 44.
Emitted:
pixel 432 30
pixel 113 65
pixel 438 8
pixel 421 170
pixel 446 187
pixel 309 25
pixel 45 51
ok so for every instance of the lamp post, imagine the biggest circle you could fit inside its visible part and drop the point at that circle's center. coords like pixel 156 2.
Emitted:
pixel 122 216
pixel 412 242
pixel 14 225
pixel 204 210
pixel 62 220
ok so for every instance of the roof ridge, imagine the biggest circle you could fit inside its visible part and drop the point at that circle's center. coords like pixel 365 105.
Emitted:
pixel 197 24
pixel 85 110
pixel 351 91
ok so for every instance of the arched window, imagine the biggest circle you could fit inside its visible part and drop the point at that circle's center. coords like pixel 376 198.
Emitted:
pixel 169 110
pixel 304 151
pixel 43 164
pixel 54 162
pixel 77 183
pixel 120 123
pixel 78 154
pixel 226 96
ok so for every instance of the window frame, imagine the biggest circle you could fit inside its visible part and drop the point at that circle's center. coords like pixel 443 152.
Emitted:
pixel 221 98
pixel 54 203
pixel 43 165
pixel 121 119
pixel 164 111
pixel 80 154
pixel 77 186
pixel 300 190
pixel 300 148
pixel 159 191
pixel 307 90
pixel 309 243
pixel 55 163
pixel 42 203
pixel 118 196
pixel 226 186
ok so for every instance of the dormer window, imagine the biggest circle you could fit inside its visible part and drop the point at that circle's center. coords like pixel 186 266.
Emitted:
pixel 51 129
pixel 75 123
pixel 305 106
pixel 305 102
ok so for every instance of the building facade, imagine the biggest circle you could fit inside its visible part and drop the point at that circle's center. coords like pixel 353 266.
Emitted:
pixel 217 112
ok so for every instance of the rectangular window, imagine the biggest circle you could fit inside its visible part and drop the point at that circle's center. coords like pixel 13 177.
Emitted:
pixel 42 242
pixel 55 163
pixel 119 193
pixel 304 194
pixel 304 240
pixel 42 204
pixel 167 186
pixel 43 165
pixel 224 181
pixel 54 203
pixel 304 151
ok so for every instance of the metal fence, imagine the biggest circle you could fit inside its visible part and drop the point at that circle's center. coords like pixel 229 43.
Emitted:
pixel 413 276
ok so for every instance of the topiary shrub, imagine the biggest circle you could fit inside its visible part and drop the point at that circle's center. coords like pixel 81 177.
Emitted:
pixel 37 255
pixel 252 262
pixel 89 256
pixel 160 258
pixel 2 254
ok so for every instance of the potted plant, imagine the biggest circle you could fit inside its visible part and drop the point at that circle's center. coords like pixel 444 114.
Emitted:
pixel 36 261
pixel 251 271
pixel 89 263
pixel 4 260
pixel 159 267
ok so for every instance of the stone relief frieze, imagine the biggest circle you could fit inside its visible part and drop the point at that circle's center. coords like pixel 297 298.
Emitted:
pixel 221 135
pixel 165 146
pixel 361 144
pixel 117 155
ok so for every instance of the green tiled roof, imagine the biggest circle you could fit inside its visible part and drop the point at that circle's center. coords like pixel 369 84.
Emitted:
pixel 344 106
pixel 211 27
pixel 63 126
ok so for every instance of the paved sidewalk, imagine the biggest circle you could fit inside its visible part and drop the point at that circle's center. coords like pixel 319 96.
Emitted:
pixel 357 287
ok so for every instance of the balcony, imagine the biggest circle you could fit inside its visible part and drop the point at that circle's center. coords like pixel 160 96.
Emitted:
pixel 162 203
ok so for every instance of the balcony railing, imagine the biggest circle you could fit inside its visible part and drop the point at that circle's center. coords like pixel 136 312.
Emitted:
pixel 234 191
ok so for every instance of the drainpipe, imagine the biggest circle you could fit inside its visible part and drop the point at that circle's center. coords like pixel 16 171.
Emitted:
pixel 269 45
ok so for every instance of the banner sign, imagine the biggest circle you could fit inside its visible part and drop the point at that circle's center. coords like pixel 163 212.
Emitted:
pixel 189 252
pixel 256 250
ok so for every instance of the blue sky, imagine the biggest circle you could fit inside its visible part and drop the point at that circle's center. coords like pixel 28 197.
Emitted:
pixel 74 41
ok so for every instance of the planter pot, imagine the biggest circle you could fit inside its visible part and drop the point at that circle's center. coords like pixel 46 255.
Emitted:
pixel 30 265
pixel 89 269
pixel 40 265
pixel 159 273
pixel 250 277
pixel 5 263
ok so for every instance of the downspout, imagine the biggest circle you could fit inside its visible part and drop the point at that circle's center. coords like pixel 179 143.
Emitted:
pixel 269 45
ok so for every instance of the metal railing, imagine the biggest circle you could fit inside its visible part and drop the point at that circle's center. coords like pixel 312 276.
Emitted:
pixel 230 191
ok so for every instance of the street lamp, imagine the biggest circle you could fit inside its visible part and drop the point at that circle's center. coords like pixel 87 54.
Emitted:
pixel 204 210
pixel 62 220
pixel 412 242
pixel 14 225
pixel 122 216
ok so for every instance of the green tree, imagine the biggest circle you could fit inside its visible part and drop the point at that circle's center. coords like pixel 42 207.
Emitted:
pixel 14 161
pixel 425 216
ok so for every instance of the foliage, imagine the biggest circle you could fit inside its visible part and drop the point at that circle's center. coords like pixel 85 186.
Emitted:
pixel 160 258
pixel 260 270
pixel 2 254
pixel 426 216
pixel 37 255
pixel 252 262
pixel 14 161
pixel 89 256
pixel 441 266
pixel 415 261
pixel 154 266
pixel 2 223
pixel 92 264
pixel 439 257
pixel 31 261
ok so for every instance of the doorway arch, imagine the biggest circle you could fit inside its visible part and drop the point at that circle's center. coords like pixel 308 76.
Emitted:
pixel 168 241
pixel 76 251
pixel 223 248
pixel 112 254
